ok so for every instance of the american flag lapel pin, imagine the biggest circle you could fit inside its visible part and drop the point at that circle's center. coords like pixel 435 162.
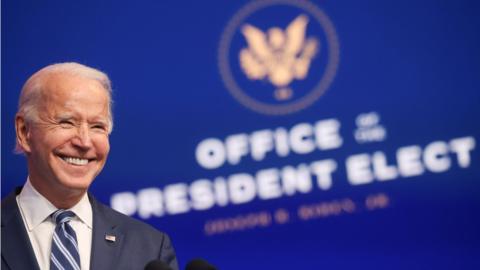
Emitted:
pixel 110 238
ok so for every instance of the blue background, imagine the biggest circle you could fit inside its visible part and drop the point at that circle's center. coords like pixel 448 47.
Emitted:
pixel 416 63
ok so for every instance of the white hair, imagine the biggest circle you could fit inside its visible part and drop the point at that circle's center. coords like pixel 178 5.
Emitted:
pixel 32 90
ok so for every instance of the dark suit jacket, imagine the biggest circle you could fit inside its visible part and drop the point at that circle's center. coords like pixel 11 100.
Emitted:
pixel 135 245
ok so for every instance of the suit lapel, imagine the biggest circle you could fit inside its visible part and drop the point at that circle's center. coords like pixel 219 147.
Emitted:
pixel 107 239
pixel 17 252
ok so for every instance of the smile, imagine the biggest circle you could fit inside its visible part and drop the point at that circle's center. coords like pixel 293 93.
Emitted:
pixel 76 161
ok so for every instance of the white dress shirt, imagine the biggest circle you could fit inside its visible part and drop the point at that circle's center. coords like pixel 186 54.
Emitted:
pixel 36 210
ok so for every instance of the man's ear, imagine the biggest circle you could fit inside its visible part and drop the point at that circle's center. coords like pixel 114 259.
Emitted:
pixel 23 134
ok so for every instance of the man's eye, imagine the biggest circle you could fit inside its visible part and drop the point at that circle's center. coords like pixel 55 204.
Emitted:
pixel 99 127
pixel 66 123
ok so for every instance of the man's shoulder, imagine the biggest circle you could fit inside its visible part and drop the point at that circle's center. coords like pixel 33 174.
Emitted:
pixel 145 242
pixel 131 224
pixel 9 204
pixel 8 201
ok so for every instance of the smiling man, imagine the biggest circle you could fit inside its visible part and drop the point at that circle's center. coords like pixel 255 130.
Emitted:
pixel 63 124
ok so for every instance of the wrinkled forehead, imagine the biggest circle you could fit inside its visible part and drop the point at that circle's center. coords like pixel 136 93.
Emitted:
pixel 64 81
pixel 63 89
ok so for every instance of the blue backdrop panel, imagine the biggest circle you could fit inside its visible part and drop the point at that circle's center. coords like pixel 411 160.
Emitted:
pixel 368 158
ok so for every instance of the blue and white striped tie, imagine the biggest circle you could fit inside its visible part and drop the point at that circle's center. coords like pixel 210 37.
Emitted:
pixel 64 254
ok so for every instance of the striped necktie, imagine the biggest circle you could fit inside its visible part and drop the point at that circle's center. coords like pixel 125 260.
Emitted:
pixel 64 255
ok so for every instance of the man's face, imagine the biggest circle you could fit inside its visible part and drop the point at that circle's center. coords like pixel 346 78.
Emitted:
pixel 68 145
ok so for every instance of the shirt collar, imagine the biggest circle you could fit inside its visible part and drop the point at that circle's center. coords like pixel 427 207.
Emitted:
pixel 83 210
pixel 36 208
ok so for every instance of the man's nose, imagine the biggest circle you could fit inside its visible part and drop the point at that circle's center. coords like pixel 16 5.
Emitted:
pixel 83 138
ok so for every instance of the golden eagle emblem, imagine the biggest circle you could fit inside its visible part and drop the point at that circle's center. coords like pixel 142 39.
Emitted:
pixel 278 55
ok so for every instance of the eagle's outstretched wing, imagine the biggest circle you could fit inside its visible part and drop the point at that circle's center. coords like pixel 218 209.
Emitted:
pixel 254 58
pixel 302 64
pixel 257 42
pixel 295 33
pixel 253 68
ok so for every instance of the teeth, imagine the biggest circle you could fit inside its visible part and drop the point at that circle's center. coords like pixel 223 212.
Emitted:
pixel 76 161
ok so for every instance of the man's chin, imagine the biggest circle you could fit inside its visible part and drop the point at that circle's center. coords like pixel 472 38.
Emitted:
pixel 76 185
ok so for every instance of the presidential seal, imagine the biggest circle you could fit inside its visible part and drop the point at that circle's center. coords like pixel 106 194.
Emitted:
pixel 278 56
